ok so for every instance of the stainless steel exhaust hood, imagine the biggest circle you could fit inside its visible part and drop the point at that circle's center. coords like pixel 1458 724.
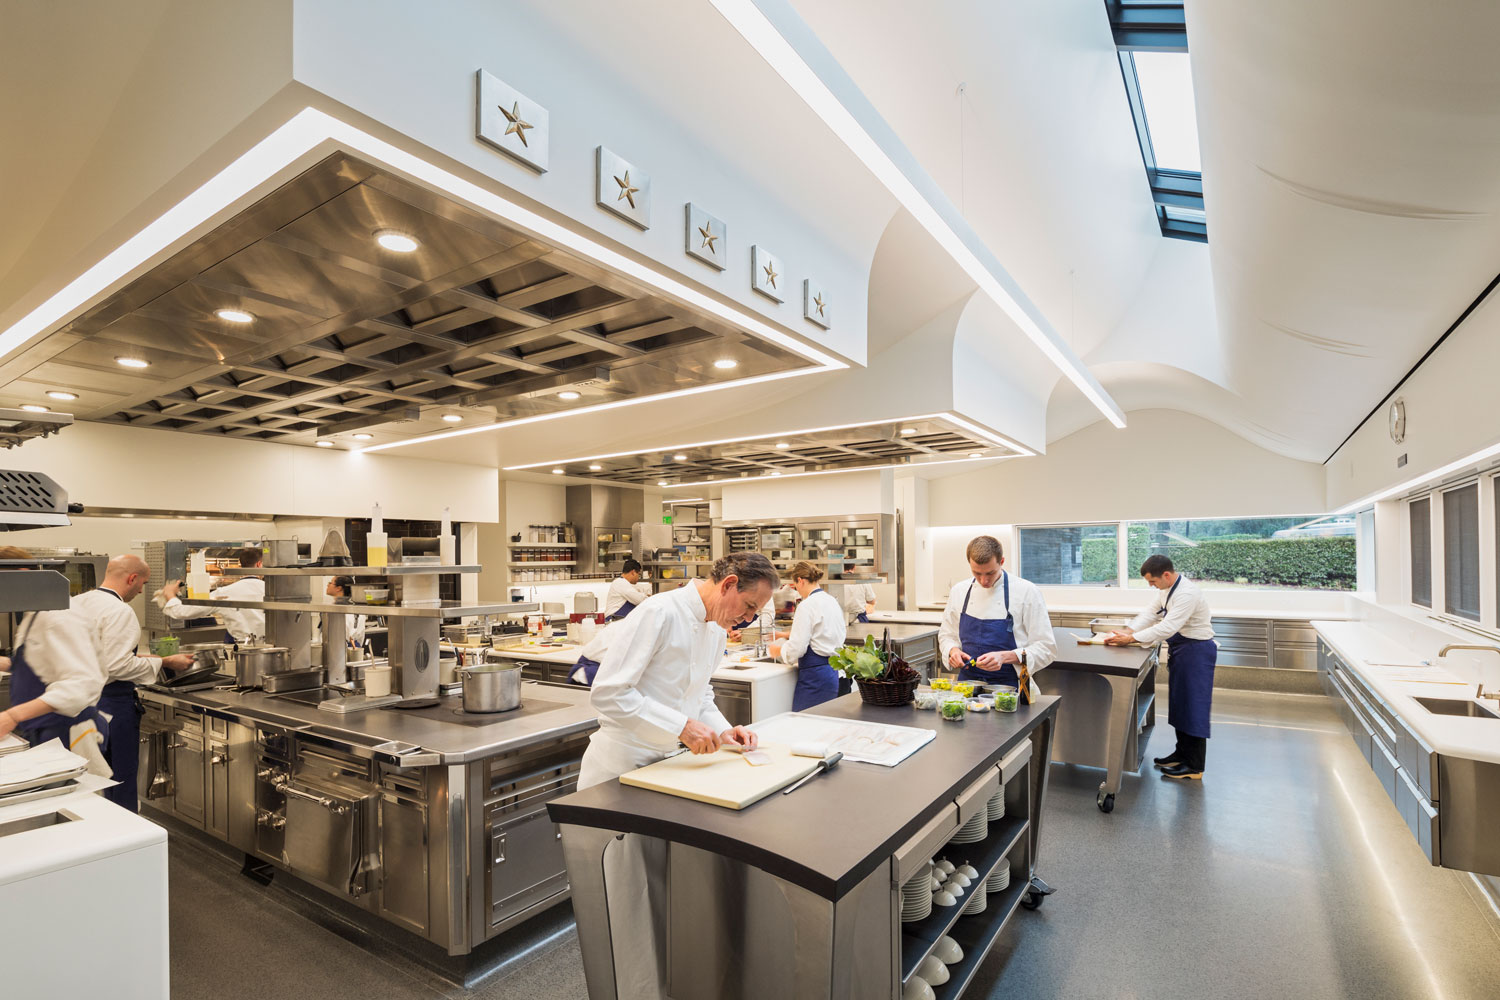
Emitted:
pixel 31 500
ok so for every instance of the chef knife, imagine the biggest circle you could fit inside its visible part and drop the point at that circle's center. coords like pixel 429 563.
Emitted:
pixel 826 764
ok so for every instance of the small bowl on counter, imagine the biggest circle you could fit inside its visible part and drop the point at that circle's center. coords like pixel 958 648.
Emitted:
pixel 1006 700
pixel 378 596
pixel 953 710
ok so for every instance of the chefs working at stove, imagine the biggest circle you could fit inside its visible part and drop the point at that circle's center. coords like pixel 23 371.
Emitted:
pixel 116 634
pixel 623 594
pixel 817 631
pixel 242 624
pixel 1179 615
pixel 995 627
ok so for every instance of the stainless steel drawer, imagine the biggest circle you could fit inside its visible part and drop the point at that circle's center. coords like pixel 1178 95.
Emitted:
pixel 734 701
pixel 1385 768
pixel 1420 816
pixel 1285 657
pixel 1293 632
pixel 525 863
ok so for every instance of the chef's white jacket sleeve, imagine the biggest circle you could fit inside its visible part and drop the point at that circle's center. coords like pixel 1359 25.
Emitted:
pixel 64 653
pixel 119 633
pixel 179 612
pixel 948 631
pixel 616 693
pixel 1036 628
pixel 1176 617
pixel 1146 618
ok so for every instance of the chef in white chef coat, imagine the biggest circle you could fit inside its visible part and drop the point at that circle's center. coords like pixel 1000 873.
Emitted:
pixel 995 626
pixel 116 635
pixel 652 688
pixel 624 594
pixel 241 623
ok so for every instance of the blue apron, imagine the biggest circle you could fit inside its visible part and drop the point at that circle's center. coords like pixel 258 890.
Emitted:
pixel 862 618
pixel 121 729
pixel 817 682
pixel 620 612
pixel 977 636
pixel 590 669
pixel 1190 679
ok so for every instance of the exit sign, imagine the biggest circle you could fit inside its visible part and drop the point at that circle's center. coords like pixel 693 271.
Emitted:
pixel 666 519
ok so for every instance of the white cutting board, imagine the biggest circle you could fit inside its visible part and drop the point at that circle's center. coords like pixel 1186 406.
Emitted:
pixel 722 778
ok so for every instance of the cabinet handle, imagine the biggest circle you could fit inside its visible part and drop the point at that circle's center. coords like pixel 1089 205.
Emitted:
pixel 499 846
pixel 218 758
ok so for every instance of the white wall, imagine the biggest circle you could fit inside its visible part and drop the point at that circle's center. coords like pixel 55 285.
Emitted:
pixel 1450 413
pixel 811 496
pixel 108 466
pixel 1165 464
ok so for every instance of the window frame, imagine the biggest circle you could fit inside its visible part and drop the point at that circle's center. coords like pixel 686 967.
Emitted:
pixel 1119 582
pixel 1411 562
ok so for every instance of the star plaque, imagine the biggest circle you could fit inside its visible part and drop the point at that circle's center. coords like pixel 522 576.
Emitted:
pixel 705 238
pixel 815 304
pixel 766 274
pixel 621 188
pixel 511 122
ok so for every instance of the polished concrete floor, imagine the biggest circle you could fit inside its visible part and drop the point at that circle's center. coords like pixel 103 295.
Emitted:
pixel 1286 873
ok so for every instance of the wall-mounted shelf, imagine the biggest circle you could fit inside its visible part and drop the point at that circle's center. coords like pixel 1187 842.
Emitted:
pixel 542 545
pixel 392 570
pixel 541 563
pixel 443 609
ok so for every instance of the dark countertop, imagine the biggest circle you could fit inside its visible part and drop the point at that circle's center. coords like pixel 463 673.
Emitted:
pixel 900 632
pixel 1128 661
pixel 831 833
pixel 567 711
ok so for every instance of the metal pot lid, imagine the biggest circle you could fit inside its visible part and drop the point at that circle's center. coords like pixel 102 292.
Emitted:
pixel 489 668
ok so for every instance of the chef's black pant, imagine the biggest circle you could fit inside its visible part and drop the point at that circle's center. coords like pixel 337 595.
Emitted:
pixel 1192 751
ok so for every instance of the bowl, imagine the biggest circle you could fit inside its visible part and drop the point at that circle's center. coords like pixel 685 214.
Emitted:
pixel 917 988
pixel 942 684
pixel 943 898
pixel 947 950
pixel 945 866
pixel 380 596
pixel 967 871
pixel 933 970
pixel 960 878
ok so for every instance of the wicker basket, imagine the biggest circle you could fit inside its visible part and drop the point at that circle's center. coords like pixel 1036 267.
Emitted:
pixel 889 693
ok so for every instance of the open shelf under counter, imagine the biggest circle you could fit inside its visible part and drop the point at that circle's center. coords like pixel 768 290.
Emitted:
pixel 395 569
pixel 441 609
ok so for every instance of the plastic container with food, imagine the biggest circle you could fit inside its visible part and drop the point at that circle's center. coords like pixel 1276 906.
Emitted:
pixel 965 688
pixel 953 711
pixel 380 596
pixel 1006 700
pixel 977 705
pixel 942 684
pixel 925 700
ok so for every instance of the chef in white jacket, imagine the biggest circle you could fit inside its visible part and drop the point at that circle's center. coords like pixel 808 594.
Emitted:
pixel 995 626
pixel 817 631
pixel 624 593
pixel 241 623
pixel 651 691
pixel 116 634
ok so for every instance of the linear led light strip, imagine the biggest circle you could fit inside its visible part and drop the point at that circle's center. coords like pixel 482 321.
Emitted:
pixel 972 428
pixel 768 477
pixel 1415 481
pixel 751 22
pixel 302 134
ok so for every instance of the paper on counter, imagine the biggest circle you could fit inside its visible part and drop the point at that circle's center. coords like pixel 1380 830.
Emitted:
pixel 51 760
pixel 868 742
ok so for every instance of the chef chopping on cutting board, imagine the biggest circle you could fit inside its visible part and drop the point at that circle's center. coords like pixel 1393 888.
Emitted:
pixel 995 627
pixel 624 595
pixel 652 690
pixel 1179 615
pixel 817 632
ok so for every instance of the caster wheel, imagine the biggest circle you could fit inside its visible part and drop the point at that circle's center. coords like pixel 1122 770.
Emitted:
pixel 1032 900
pixel 1106 803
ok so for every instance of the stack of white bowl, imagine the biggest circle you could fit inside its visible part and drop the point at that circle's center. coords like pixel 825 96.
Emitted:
pixel 975 830
pixel 977 900
pixel 942 894
pixel 997 805
pixel 916 895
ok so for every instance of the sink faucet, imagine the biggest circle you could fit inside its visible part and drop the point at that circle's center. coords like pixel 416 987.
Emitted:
pixel 1494 695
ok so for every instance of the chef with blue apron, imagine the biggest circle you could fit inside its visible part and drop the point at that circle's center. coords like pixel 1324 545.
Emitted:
pixel 590 656
pixel 623 594
pixel 55 679
pixel 995 626
pixel 1180 615
pixel 817 631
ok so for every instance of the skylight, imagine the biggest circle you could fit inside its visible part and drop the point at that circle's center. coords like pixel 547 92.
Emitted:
pixel 1167 100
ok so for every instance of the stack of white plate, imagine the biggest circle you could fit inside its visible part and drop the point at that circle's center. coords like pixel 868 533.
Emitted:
pixel 997 805
pixel 999 878
pixel 916 896
pixel 977 899
pixel 973 831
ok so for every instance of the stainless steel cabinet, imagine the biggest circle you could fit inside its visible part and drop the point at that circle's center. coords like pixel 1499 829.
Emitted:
pixel 733 699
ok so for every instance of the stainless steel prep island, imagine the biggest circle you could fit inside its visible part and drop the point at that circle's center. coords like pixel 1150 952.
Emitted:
pixel 1110 693
pixel 799 896
pixel 429 819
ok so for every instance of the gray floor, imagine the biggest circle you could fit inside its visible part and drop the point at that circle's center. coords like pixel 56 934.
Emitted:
pixel 1286 873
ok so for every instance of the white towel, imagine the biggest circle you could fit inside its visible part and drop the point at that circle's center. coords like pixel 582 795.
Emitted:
pixel 85 740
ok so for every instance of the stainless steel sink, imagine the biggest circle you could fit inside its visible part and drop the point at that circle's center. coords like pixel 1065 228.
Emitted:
pixel 1455 706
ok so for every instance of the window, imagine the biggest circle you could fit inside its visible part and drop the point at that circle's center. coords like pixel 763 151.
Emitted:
pixel 1071 554
pixel 1151 39
pixel 1461 551
pixel 1420 513
pixel 1303 553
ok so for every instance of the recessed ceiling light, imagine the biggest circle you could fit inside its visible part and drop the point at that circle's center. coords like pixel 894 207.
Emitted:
pixel 908 430
pixel 783 444
pixel 323 444
pixel 234 315
pixel 726 363
pixel 66 397
pixel 595 468
pixel 776 472
pixel 679 457
pixel 133 362
pixel 569 395
pixel 557 472
pixel 363 437
pixel 975 454
pixel 452 418
pixel 33 408
pixel 396 242
pixel 661 482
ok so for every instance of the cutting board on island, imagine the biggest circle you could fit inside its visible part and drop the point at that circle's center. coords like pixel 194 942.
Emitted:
pixel 722 778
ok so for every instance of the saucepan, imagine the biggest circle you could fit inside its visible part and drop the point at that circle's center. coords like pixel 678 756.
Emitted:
pixel 251 663
pixel 491 687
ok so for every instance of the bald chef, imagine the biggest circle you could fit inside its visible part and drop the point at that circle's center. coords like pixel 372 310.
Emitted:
pixel 995 623
pixel 651 691
pixel 116 633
